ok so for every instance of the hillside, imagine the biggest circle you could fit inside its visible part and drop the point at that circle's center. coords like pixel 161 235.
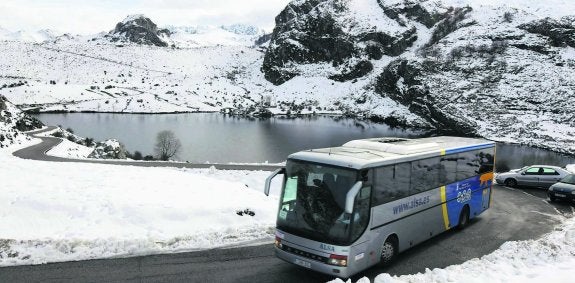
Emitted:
pixel 500 71
pixel 12 123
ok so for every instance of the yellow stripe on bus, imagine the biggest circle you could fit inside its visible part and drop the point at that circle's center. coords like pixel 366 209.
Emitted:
pixel 444 208
pixel 442 152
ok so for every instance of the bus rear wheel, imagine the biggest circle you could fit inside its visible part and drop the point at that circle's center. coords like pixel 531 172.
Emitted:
pixel 463 218
pixel 389 250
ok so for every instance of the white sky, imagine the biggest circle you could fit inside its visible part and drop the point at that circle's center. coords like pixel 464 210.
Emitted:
pixel 85 17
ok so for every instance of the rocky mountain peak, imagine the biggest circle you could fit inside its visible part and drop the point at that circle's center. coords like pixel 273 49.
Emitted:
pixel 139 29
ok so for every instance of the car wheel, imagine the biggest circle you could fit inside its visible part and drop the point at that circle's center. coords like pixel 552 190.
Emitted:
pixel 552 198
pixel 511 183
pixel 463 218
pixel 388 250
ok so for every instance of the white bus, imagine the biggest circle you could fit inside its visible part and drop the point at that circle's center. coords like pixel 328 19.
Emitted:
pixel 347 208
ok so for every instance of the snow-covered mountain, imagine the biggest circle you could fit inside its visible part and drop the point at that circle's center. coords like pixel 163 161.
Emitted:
pixel 140 29
pixel 504 71
pixel 498 70
pixel 27 36
pixel 202 36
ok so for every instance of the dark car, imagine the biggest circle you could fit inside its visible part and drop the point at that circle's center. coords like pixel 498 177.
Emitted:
pixel 564 189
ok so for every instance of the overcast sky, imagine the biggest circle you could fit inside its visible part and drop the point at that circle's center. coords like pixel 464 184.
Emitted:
pixel 86 17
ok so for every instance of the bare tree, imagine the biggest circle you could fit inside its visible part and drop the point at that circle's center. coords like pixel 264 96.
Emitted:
pixel 167 145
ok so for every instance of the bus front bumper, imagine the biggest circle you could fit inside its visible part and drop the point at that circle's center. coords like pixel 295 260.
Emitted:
pixel 342 272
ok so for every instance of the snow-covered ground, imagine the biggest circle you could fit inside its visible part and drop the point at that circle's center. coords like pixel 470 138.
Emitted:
pixel 72 211
pixel 549 259
pixel 65 214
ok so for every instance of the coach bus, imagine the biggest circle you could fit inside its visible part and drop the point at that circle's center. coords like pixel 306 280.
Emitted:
pixel 344 209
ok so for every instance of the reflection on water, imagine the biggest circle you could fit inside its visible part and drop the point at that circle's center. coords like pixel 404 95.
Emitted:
pixel 218 138
pixel 515 156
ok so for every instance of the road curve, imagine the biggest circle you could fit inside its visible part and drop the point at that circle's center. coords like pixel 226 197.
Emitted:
pixel 514 215
pixel 38 152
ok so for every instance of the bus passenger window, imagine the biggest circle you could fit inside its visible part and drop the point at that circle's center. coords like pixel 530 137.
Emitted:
pixel 424 175
pixel 392 183
pixel 448 169
pixel 467 165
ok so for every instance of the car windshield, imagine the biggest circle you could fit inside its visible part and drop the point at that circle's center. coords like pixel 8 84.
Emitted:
pixel 313 202
pixel 570 179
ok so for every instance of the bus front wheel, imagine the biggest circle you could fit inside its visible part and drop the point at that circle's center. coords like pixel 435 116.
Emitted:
pixel 389 250
pixel 463 218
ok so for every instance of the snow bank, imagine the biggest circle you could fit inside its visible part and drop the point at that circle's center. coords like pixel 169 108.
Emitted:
pixel 549 259
pixel 73 211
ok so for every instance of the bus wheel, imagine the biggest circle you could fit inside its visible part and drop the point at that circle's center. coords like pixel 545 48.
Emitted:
pixel 463 218
pixel 389 250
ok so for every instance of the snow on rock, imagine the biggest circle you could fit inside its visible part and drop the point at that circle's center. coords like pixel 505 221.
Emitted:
pixel 501 70
pixel 549 259
pixel 64 214
pixel 138 29
pixel 12 124
pixel 108 149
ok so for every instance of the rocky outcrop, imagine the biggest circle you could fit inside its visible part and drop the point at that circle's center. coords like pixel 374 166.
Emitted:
pixel 139 29
pixel 410 10
pixel 13 122
pixel 109 149
pixel 322 31
pixel 559 32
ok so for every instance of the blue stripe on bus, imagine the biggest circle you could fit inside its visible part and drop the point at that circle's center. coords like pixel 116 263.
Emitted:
pixel 469 148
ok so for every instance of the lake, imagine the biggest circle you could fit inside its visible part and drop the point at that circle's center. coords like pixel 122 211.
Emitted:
pixel 217 138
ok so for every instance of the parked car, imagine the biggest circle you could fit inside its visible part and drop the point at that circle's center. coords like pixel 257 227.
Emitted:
pixel 532 176
pixel 564 189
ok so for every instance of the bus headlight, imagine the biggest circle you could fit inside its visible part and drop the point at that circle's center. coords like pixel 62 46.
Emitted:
pixel 278 243
pixel 337 260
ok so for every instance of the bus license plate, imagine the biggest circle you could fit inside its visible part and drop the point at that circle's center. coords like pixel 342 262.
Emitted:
pixel 302 263
pixel 560 195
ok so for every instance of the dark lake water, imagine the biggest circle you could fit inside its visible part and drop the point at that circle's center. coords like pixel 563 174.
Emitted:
pixel 213 137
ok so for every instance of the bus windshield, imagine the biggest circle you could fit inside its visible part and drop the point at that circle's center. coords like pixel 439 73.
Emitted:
pixel 312 204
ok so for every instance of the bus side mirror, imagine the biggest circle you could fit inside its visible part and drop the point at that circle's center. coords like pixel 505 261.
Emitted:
pixel 350 197
pixel 270 178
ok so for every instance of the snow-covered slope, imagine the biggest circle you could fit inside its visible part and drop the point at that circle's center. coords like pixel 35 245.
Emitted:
pixel 12 123
pixel 65 214
pixel 499 70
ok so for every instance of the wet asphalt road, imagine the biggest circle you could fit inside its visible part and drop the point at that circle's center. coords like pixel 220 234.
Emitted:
pixel 515 214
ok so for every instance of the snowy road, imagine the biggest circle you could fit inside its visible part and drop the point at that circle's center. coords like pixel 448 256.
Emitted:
pixel 514 215
pixel 38 152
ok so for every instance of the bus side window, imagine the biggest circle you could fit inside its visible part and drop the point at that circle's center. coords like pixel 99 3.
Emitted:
pixel 486 160
pixel 448 169
pixel 392 182
pixel 424 175
pixel 467 165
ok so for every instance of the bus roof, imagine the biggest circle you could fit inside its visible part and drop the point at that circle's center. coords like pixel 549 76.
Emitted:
pixel 365 153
